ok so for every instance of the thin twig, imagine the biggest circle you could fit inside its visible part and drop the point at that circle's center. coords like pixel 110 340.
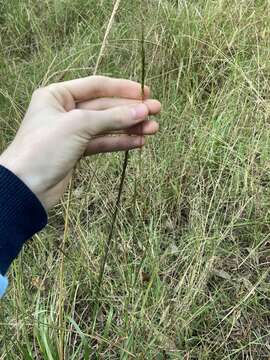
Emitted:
pixel 110 237
pixel 123 175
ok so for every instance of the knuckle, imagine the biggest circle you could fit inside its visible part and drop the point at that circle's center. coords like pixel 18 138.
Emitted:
pixel 121 118
pixel 39 91
pixel 97 77
pixel 52 88
pixel 62 95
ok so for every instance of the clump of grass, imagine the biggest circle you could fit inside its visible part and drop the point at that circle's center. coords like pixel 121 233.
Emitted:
pixel 202 234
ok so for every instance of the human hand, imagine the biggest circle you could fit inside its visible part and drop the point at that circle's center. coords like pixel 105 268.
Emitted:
pixel 68 120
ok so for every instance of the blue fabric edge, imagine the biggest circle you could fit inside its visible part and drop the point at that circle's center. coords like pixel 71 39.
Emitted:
pixel 3 285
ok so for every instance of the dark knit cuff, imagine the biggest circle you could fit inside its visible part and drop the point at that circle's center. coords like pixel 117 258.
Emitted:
pixel 21 216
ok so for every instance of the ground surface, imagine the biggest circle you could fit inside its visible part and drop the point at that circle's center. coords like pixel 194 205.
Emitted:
pixel 191 279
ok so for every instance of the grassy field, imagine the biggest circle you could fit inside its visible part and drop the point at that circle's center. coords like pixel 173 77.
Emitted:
pixel 190 280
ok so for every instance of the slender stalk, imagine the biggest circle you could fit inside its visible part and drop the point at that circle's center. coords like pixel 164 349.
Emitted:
pixel 61 349
pixel 61 276
pixel 143 67
pixel 108 243
pixel 123 175
pixel 109 26
pixel 110 237
pixel 135 196
pixel 143 70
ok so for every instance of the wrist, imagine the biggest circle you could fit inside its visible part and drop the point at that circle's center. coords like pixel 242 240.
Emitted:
pixel 17 166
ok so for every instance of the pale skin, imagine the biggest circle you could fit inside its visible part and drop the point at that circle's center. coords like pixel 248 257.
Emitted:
pixel 66 121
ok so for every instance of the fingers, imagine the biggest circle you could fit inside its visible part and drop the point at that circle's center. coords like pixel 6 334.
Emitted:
pixel 114 143
pixel 101 86
pixel 117 118
pixel 147 127
pixel 107 103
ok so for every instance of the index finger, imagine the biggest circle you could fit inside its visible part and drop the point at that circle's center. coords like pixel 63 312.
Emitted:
pixel 102 86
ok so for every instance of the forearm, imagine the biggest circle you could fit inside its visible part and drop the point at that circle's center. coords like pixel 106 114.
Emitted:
pixel 21 216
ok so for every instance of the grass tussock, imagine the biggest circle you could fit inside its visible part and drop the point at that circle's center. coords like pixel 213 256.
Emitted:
pixel 195 283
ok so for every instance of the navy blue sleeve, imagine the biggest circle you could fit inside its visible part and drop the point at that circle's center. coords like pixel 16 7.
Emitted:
pixel 21 216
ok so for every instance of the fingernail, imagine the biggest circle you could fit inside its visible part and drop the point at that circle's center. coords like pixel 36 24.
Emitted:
pixel 139 141
pixel 140 112
pixel 147 89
